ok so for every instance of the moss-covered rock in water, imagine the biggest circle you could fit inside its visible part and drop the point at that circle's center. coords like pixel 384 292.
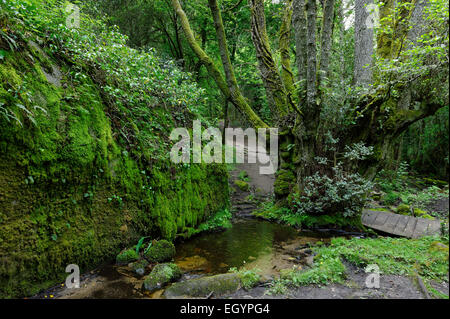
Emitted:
pixel 160 251
pixel 127 256
pixel 283 182
pixel 160 276
pixel 403 209
pixel 139 266
pixel 201 287
pixel 243 186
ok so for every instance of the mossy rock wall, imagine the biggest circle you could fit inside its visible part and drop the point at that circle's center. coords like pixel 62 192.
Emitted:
pixel 70 193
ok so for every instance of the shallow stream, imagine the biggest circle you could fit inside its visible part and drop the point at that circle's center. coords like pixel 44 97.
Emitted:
pixel 250 243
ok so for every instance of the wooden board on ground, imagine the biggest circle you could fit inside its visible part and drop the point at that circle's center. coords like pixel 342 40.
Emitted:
pixel 406 226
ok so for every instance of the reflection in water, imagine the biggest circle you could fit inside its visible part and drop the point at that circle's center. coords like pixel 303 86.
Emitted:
pixel 255 244
pixel 245 241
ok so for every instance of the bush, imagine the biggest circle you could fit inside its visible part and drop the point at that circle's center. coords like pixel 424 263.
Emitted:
pixel 341 192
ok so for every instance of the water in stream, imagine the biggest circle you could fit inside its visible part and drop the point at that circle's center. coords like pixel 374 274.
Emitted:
pixel 250 243
pixel 246 242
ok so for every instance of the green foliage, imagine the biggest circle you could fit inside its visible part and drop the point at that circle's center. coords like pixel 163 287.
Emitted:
pixel 405 189
pixel 338 192
pixel 243 176
pixel 139 87
pixel 249 277
pixel 393 180
pixel 221 220
pixel 116 199
pixel 140 243
pixel 426 144
pixel 421 55
pixel 271 211
pixel 98 135
pixel 395 256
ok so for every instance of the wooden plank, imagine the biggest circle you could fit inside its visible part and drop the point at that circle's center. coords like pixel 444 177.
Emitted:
pixel 406 226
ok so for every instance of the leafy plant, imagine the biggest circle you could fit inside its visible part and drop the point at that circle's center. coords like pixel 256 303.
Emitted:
pixel 140 243
pixel 249 277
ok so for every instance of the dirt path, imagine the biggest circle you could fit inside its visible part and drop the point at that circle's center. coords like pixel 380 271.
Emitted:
pixel 391 287
pixel 260 185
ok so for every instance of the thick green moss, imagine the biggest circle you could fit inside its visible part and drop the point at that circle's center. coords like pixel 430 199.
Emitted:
pixel 403 209
pixel 127 256
pixel 243 186
pixel 202 287
pixel 56 178
pixel 139 266
pixel 161 251
pixel 283 182
pixel 160 276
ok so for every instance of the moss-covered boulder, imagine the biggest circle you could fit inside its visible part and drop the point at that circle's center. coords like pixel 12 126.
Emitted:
pixel 160 276
pixel 403 209
pixel 160 251
pixel 243 186
pixel 201 287
pixel 139 266
pixel 127 256
pixel 419 212
pixel 283 182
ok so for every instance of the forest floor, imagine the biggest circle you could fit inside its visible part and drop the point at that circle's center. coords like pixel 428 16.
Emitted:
pixel 249 188
pixel 260 188
pixel 391 287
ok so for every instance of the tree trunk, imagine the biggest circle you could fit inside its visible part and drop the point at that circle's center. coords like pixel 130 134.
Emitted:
pixel 363 44
pixel 301 138
pixel 327 33
pixel 299 24
pixel 311 71
pixel 284 41
pixel 275 90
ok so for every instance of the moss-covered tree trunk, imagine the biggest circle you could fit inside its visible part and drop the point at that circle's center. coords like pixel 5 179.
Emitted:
pixel 297 107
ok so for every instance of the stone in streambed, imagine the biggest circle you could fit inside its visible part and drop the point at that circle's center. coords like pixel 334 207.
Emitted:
pixel 139 267
pixel 160 276
pixel 160 251
pixel 202 287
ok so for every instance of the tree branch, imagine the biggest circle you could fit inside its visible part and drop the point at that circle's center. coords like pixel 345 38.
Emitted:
pixel 236 98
